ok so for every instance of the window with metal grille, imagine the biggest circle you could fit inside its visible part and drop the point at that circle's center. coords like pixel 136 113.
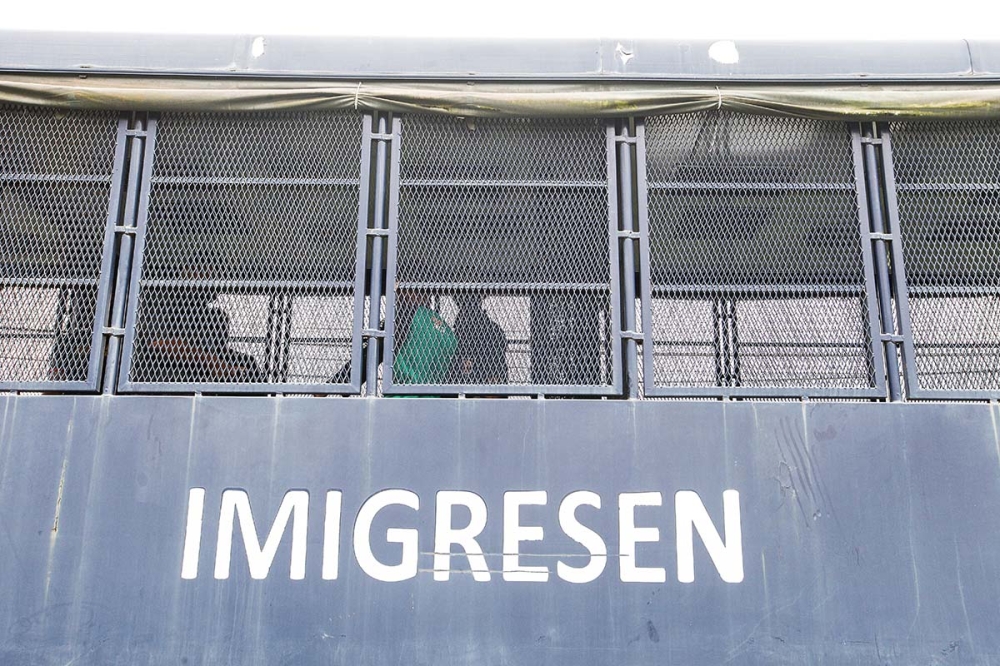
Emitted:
pixel 757 278
pixel 947 182
pixel 502 280
pixel 249 267
pixel 56 180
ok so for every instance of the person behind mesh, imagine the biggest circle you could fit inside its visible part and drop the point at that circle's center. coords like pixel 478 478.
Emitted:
pixel 481 356
pixel 187 340
pixel 184 334
pixel 425 352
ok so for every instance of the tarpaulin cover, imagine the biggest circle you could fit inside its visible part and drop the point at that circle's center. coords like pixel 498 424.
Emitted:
pixel 842 101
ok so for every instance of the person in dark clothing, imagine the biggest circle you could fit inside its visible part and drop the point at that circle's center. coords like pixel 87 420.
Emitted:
pixel 184 337
pixel 481 356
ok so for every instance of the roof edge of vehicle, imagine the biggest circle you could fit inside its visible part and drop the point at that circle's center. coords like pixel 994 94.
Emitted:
pixel 606 59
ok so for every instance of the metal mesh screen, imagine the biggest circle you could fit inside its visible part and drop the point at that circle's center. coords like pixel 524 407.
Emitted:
pixel 502 275
pixel 55 186
pixel 948 188
pixel 756 266
pixel 249 262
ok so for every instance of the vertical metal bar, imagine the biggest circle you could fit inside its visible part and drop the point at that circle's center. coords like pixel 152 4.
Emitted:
pixel 124 267
pixel 286 338
pixel 881 266
pixel 361 256
pixel 62 310
pixel 718 341
pixel 614 352
pixel 898 265
pixel 645 285
pixel 393 251
pixel 375 298
pixel 627 225
pixel 271 357
pixel 737 378
pixel 108 263
pixel 137 217
pixel 868 303
pixel 727 340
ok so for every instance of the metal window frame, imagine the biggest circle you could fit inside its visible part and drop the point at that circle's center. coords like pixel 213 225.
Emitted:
pixel 913 389
pixel 867 290
pixel 125 385
pixel 98 336
pixel 614 388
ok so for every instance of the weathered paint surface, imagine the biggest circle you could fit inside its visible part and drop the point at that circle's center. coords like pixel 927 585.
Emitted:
pixel 871 533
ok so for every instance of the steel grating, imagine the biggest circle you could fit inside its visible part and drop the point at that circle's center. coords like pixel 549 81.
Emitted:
pixel 249 253
pixel 947 182
pixel 56 174
pixel 502 278
pixel 757 281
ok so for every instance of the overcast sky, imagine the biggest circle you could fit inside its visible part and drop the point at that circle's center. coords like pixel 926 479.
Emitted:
pixel 691 19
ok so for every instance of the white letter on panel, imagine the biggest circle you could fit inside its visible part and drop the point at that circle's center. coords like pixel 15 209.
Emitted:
pixel 331 535
pixel 514 533
pixel 294 507
pixel 407 568
pixel 445 535
pixel 585 536
pixel 629 535
pixel 691 516
pixel 192 533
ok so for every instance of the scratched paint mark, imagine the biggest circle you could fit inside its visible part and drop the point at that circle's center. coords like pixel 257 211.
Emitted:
pixel 59 496
pixel 910 530
pixel 54 532
pixel 788 485
pixel 824 495
pixel 996 434
pixel 961 594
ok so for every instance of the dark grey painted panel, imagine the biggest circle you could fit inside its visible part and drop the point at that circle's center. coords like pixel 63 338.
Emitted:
pixel 355 57
pixel 870 531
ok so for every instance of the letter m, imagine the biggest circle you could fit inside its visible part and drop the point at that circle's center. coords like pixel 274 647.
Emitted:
pixel 294 506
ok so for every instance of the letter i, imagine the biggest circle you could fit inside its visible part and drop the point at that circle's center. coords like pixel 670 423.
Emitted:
pixel 192 533
pixel 331 535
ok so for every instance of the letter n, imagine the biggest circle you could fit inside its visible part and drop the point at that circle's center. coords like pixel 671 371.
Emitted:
pixel 692 515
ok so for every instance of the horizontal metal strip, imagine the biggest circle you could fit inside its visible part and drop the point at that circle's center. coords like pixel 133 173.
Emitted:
pixel 53 178
pixel 556 184
pixel 505 286
pixel 27 334
pixel 242 388
pixel 500 389
pixel 50 385
pixel 221 180
pixel 990 394
pixel 51 283
pixel 957 345
pixel 778 187
pixel 944 290
pixel 333 341
pixel 799 346
pixel 263 284
pixel 935 187
pixel 761 392
pixel 682 343
pixel 721 290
